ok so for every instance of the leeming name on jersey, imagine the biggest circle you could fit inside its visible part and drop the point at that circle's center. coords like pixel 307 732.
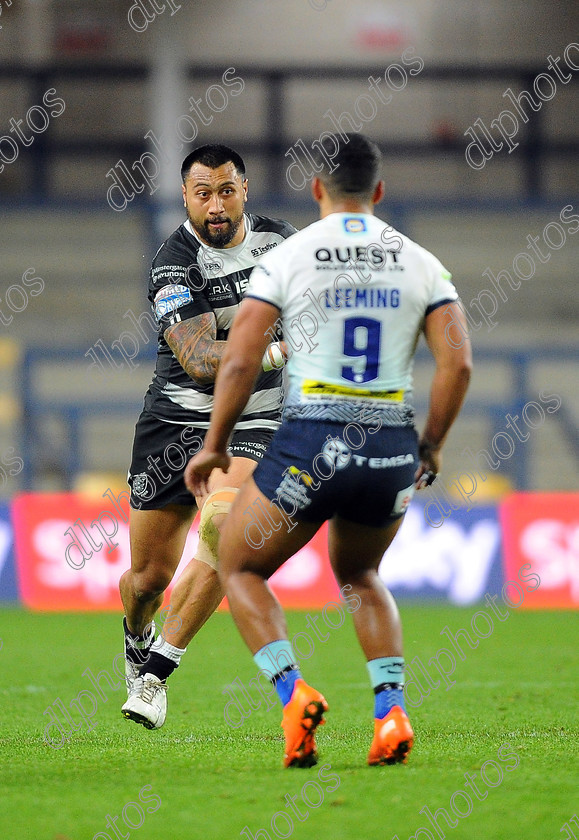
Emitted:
pixel 187 279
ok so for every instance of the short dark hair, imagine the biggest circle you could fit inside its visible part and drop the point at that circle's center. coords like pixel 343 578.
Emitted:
pixel 213 156
pixel 358 162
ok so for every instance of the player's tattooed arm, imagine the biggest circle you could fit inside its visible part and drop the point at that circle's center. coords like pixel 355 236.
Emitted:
pixel 195 347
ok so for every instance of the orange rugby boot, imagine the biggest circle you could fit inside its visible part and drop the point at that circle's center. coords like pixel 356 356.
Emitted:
pixel 393 738
pixel 301 717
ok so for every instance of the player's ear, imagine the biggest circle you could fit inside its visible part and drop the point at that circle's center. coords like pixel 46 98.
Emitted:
pixel 184 192
pixel 245 189
pixel 317 189
pixel 379 192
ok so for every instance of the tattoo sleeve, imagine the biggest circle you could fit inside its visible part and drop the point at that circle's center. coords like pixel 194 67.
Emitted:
pixel 195 347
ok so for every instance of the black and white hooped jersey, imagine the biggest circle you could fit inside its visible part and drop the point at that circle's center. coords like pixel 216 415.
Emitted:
pixel 189 278
pixel 353 294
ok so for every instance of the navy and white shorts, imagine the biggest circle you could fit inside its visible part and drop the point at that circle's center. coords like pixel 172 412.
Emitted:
pixel 315 469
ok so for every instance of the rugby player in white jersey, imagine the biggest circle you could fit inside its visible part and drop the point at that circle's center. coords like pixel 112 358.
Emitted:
pixel 347 450
pixel 196 285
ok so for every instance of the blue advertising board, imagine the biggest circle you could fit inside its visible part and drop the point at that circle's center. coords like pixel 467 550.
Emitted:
pixel 8 581
pixel 458 561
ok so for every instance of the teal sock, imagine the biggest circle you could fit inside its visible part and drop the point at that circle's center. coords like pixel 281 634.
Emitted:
pixel 277 660
pixel 387 679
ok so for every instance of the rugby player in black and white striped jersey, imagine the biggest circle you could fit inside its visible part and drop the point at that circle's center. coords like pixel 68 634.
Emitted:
pixel 197 281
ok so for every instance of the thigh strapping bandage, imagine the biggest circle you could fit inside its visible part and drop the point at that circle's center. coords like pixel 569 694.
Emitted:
pixel 218 502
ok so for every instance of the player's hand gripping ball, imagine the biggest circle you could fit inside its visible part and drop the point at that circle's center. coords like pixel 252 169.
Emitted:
pixel 275 356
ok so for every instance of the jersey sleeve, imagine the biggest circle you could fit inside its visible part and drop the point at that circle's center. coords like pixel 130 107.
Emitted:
pixel 264 223
pixel 442 289
pixel 176 288
pixel 265 283
pixel 287 229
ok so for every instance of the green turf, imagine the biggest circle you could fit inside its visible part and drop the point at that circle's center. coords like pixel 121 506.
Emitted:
pixel 518 687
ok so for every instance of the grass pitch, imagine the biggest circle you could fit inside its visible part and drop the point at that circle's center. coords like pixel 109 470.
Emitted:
pixel 207 780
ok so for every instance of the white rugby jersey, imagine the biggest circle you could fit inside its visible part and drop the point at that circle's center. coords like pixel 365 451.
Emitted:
pixel 353 294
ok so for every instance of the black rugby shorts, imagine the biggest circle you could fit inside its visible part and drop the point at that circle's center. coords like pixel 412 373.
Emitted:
pixel 161 452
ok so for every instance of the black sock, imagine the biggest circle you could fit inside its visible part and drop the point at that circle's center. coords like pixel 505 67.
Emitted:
pixel 159 665
pixel 136 646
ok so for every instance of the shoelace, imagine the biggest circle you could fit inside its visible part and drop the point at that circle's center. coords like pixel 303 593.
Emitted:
pixel 147 688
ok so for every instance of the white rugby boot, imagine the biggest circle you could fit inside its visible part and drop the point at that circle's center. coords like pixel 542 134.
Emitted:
pixel 147 702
